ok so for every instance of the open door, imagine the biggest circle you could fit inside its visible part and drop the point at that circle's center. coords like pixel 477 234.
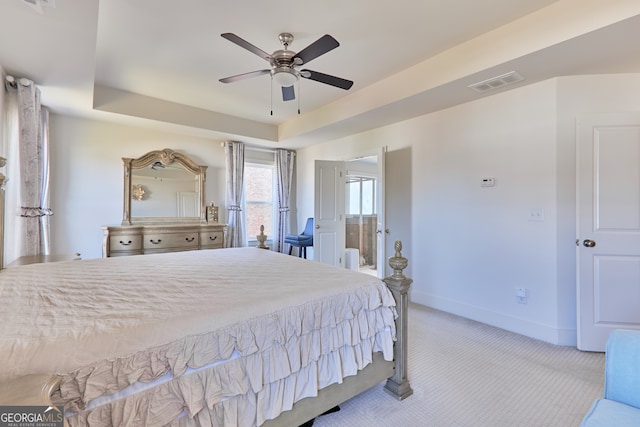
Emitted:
pixel 608 235
pixel 329 232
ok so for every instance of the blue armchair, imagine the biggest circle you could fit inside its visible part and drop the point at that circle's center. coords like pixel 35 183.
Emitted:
pixel 620 406
pixel 301 241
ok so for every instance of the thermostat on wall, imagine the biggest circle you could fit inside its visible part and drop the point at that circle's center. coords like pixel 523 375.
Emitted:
pixel 488 182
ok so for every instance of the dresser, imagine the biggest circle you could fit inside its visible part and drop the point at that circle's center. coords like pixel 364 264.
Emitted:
pixel 123 240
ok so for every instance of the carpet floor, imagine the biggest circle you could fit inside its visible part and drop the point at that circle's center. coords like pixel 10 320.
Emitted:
pixel 468 374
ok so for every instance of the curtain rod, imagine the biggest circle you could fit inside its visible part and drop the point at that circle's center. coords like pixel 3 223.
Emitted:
pixel 261 150
pixel 12 82
pixel 251 148
pixel 269 150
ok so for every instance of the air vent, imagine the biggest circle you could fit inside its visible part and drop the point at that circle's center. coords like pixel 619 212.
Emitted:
pixel 39 5
pixel 497 82
pixel 51 3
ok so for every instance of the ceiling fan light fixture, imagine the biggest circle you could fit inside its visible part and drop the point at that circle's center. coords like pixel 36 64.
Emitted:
pixel 285 76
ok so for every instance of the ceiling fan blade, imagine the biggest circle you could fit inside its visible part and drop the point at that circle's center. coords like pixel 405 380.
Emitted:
pixel 288 93
pixel 243 76
pixel 245 44
pixel 327 79
pixel 321 46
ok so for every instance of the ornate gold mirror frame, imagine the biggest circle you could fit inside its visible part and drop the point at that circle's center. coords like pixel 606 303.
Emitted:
pixel 164 157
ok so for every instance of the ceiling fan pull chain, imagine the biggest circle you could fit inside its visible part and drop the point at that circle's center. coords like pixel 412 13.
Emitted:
pixel 299 96
pixel 271 95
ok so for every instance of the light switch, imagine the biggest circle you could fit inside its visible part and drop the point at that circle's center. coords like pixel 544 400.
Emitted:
pixel 536 215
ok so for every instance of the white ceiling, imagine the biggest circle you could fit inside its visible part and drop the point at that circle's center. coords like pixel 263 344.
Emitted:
pixel 158 62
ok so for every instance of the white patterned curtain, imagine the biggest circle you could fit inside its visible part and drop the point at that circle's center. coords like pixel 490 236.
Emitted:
pixel 234 159
pixel 285 161
pixel 27 208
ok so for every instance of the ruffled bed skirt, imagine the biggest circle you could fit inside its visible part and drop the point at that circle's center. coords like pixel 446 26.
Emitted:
pixel 224 394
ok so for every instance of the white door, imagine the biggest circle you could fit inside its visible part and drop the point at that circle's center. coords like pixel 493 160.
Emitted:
pixel 329 232
pixel 381 229
pixel 608 234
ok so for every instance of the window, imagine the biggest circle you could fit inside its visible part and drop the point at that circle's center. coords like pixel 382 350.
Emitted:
pixel 361 196
pixel 259 199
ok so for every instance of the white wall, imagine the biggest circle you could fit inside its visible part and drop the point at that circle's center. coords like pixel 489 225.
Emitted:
pixel 469 247
pixel 87 176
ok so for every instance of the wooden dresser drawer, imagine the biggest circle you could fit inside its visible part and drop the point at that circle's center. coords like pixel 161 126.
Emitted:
pixel 211 239
pixel 125 242
pixel 175 241
pixel 159 238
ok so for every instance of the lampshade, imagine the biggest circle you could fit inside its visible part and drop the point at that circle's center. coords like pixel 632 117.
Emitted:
pixel 285 76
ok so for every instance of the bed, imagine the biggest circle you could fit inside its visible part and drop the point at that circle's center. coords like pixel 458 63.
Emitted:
pixel 229 337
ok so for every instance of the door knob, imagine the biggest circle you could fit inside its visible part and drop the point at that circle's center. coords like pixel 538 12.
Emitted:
pixel 317 226
pixel 589 243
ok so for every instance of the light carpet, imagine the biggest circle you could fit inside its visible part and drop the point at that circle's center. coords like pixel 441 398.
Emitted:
pixel 468 374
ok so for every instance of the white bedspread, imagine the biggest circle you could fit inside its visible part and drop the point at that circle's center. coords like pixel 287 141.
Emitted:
pixel 107 323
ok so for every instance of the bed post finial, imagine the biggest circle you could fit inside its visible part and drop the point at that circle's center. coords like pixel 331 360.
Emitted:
pixel 398 262
pixel 398 385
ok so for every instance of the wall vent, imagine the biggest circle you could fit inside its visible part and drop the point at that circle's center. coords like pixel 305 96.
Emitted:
pixel 39 5
pixel 51 3
pixel 497 82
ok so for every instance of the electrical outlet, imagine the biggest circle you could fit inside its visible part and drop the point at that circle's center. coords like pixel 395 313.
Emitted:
pixel 521 295
pixel 488 182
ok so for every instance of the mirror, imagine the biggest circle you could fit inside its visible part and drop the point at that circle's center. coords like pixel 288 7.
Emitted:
pixel 163 186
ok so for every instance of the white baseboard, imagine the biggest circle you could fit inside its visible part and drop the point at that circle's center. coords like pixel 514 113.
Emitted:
pixel 565 337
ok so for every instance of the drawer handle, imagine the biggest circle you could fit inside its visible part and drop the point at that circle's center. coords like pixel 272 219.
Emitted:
pixel 125 244
pixel 213 238
pixel 155 242
pixel 190 239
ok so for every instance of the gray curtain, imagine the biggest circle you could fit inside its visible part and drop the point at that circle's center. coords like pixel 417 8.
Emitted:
pixel 285 161
pixel 27 206
pixel 234 158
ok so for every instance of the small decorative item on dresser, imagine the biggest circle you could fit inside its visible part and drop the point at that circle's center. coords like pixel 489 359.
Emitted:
pixel 262 238
pixel 212 213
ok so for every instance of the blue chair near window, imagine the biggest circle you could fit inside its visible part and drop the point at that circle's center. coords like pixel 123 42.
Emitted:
pixel 301 241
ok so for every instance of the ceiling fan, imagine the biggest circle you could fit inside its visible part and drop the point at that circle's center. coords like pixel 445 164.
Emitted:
pixel 284 63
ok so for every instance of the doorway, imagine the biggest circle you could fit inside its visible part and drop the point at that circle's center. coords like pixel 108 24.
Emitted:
pixel 361 215
pixel 332 217
pixel 360 221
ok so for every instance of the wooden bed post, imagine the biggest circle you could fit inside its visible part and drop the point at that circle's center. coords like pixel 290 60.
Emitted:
pixel 398 385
